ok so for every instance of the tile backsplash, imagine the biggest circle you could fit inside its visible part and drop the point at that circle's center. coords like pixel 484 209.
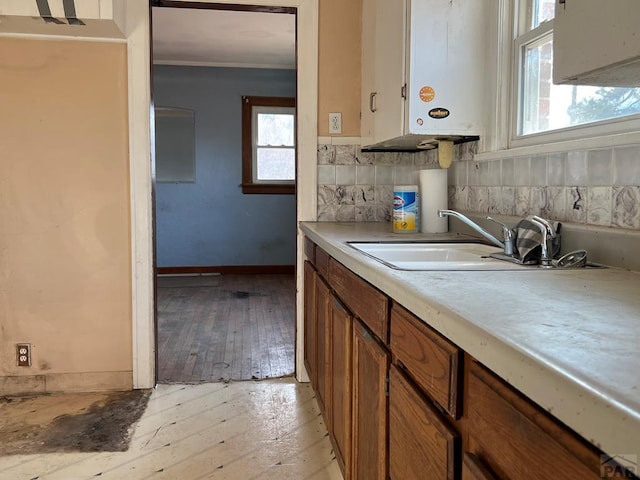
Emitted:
pixel 358 186
pixel 595 187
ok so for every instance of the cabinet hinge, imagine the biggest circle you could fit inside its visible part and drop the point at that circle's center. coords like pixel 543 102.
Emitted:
pixel 403 91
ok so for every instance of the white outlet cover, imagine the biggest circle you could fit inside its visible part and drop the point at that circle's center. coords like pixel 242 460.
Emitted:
pixel 335 123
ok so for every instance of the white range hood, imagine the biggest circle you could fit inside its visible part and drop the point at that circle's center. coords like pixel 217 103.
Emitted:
pixel 416 142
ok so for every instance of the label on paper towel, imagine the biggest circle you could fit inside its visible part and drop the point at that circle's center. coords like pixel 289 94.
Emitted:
pixel 405 212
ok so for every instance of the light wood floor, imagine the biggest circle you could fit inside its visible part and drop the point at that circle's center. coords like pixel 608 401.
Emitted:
pixel 271 429
pixel 222 327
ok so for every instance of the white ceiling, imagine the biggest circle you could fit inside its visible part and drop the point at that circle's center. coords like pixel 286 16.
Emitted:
pixel 185 36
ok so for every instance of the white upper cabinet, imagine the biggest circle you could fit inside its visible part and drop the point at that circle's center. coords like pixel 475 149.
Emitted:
pixel 597 42
pixel 425 69
pixel 383 69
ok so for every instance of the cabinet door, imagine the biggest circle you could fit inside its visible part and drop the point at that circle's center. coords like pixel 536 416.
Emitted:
pixel 383 69
pixel 322 345
pixel 368 84
pixel 370 370
pixel 595 42
pixel 450 63
pixel 421 443
pixel 517 439
pixel 340 325
pixel 310 323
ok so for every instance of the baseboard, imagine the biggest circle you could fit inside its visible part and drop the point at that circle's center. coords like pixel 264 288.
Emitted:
pixel 229 269
pixel 66 382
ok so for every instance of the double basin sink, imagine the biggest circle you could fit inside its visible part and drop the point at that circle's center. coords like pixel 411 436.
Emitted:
pixel 438 256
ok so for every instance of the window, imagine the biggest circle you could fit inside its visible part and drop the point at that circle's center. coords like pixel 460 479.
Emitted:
pixel 268 145
pixel 543 106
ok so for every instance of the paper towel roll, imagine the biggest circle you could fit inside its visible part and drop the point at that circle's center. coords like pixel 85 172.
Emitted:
pixel 433 197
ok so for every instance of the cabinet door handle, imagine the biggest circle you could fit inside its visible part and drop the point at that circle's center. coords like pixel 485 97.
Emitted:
pixel 372 102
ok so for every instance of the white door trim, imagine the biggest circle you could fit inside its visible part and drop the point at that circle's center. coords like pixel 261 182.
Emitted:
pixel 135 20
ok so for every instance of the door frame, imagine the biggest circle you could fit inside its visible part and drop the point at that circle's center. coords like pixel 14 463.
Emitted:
pixel 141 176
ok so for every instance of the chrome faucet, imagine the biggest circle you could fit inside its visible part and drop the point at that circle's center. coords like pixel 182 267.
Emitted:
pixel 477 228
pixel 509 238
pixel 548 234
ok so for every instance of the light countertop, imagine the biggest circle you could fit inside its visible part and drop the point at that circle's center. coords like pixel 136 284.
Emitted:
pixel 569 340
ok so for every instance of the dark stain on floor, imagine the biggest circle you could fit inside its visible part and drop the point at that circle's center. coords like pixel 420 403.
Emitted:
pixel 105 425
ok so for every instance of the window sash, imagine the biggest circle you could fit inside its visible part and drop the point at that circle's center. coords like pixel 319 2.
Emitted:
pixel 257 110
pixel 521 43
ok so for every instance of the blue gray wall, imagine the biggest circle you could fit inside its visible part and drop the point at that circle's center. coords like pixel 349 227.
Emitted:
pixel 211 222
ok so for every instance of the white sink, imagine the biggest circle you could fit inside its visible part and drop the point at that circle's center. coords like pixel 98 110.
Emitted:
pixel 435 256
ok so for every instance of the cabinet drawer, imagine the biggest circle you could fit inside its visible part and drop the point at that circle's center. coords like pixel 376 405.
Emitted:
pixel 367 303
pixel 431 360
pixel 421 443
pixel 322 262
pixel 517 439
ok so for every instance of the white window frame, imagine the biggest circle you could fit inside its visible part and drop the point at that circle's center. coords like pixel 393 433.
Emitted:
pixel 619 131
pixel 256 110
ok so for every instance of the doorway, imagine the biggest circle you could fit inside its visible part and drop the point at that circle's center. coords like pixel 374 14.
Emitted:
pixel 142 244
pixel 226 260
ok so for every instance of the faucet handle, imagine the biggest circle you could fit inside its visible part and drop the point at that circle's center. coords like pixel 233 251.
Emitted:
pixel 509 237
pixel 506 230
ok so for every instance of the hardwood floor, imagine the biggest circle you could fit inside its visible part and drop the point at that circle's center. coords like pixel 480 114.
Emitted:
pixel 225 327
pixel 267 430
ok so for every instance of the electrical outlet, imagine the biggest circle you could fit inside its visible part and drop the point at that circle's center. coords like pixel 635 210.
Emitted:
pixel 335 123
pixel 23 354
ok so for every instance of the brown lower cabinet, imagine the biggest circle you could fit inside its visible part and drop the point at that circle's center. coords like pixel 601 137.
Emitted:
pixel 414 405
pixel 340 325
pixel 421 443
pixel 370 368
pixel 515 439
pixel 310 323
pixel 322 387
